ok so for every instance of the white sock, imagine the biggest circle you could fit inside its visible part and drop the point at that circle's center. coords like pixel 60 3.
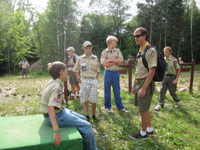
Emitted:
pixel 77 94
pixel 72 94
pixel 143 133
pixel 149 129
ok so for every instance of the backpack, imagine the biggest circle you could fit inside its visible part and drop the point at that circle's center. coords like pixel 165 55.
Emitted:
pixel 74 58
pixel 161 64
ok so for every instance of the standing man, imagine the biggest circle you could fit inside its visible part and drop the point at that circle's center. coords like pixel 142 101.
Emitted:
pixel 72 59
pixel 25 67
pixel 144 86
pixel 111 57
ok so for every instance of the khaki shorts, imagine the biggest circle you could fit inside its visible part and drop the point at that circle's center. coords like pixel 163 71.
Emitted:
pixel 72 80
pixel 144 103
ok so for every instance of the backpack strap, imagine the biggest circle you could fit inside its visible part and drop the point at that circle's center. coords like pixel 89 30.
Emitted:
pixel 143 57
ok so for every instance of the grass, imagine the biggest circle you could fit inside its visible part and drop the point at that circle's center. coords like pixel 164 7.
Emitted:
pixel 174 128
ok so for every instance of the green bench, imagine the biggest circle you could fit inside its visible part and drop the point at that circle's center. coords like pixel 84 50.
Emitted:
pixel 32 133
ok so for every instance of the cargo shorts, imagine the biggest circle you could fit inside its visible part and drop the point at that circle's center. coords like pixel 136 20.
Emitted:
pixel 144 103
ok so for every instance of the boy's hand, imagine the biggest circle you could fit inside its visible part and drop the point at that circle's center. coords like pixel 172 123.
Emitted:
pixel 133 90
pixel 80 81
pixel 57 139
pixel 108 60
pixel 174 82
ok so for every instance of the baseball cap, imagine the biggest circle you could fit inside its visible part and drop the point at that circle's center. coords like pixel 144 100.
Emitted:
pixel 86 43
pixel 70 49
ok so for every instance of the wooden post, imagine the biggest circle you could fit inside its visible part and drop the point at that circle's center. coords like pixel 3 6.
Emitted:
pixel 129 76
pixel 192 75
pixel 65 85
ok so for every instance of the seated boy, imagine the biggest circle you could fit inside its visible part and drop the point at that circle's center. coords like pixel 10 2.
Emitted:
pixel 56 115
pixel 170 80
pixel 89 65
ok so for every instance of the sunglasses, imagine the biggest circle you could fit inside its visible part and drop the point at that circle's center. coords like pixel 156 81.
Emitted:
pixel 137 36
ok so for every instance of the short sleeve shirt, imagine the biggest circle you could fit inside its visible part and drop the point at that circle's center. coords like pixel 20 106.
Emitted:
pixel 108 54
pixel 25 64
pixel 172 65
pixel 52 95
pixel 151 57
pixel 89 66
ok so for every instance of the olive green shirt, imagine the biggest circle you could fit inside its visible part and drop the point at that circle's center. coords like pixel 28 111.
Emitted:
pixel 108 54
pixel 89 66
pixel 172 65
pixel 151 57
pixel 52 95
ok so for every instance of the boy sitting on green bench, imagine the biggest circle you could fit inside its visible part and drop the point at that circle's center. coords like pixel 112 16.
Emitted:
pixel 56 115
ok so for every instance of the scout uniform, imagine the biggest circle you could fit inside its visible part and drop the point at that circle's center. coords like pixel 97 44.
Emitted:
pixel 72 78
pixel 140 76
pixel 52 95
pixel 89 67
pixel 111 77
pixel 24 66
pixel 170 75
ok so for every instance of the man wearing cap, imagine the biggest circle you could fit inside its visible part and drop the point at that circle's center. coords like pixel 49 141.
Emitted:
pixel 72 59
pixel 24 65
pixel 89 65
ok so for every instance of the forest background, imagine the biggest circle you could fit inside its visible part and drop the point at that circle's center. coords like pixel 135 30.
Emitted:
pixel 27 32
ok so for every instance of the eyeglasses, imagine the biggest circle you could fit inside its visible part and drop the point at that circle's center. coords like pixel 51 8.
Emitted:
pixel 137 36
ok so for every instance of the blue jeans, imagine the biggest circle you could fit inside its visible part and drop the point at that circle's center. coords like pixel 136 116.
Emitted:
pixel 111 78
pixel 68 118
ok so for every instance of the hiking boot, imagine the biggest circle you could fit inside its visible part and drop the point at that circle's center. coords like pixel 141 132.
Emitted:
pixel 96 119
pixel 150 133
pixel 157 108
pixel 88 119
pixel 77 98
pixel 108 110
pixel 176 104
pixel 71 97
pixel 138 136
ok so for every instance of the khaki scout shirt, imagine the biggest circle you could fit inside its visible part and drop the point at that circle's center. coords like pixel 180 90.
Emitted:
pixel 151 57
pixel 172 65
pixel 25 65
pixel 52 95
pixel 71 61
pixel 108 54
pixel 89 66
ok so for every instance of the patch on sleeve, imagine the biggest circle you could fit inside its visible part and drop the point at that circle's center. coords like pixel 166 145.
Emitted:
pixel 59 92
pixel 152 53
pixel 175 60
pixel 59 96
pixel 57 100
pixel 93 58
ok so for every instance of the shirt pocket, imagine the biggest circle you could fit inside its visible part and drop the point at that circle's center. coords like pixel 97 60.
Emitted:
pixel 94 66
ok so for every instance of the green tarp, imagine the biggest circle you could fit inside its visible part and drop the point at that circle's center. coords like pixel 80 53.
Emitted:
pixel 32 133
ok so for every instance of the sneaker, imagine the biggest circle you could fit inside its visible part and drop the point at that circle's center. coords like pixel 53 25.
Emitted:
pixel 96 119
pixel 71 97
pixel 124 110
pixel 176 104
pixel 150 133
pixel 157 108
pixel 138 136
pixel 88 119
pixel 108 110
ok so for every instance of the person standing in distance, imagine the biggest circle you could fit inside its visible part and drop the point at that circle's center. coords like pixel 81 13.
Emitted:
pixel 144 86
pixel 24 65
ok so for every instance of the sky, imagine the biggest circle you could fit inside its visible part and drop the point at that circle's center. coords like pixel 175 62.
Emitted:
pixel 41 5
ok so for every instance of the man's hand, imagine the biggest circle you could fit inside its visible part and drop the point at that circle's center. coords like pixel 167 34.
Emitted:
pixel 142 92
pixel 57 139
pixel 133 90
pixel 174 82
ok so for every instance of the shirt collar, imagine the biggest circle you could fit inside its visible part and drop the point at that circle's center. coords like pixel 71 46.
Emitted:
pixel 145 45
pixel 89 56
pixel 60 82
pixel 107 50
